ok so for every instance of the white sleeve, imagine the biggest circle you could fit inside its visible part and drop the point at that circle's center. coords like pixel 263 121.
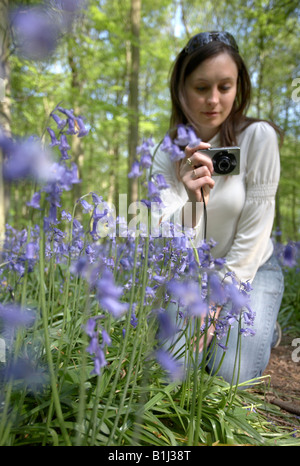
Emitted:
pixel 252 240
pixel 173 198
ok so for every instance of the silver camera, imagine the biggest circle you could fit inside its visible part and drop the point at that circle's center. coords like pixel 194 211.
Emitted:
pixel 226 160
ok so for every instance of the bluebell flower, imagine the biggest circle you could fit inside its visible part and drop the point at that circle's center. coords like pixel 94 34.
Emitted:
pixel 59 122
pixel 153 192
pixel 217 293
pixel 161 182
pixel 167 144
pixel 26 159
pixel 66 215
pixel 86 206
pixel 99 361
pixel 289 255
pixel 189 296
pixel 106 338
pixel 31 250
pixel 83 131
pixel 35 200
pixel 64 145
pixel 96 198
pixel 71 126
pixel 54 140
pixel 67 112
pixel 166 329
pixel 174 368
pixel 109 294
pixel 247 332
pixel 135 171
pixel 90 327
pixel 146 161
pixel 145 150
pixel 176 154
pixel 14 316
pixel 35 34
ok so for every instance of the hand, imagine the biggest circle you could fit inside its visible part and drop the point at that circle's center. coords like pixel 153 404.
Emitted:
pixel 214 313
pixel 195 173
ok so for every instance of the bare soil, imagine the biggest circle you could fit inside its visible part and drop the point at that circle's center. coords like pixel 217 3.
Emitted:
pixel 282 389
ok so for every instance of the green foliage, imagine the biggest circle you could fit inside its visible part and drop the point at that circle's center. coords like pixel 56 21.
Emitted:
pixel 131 402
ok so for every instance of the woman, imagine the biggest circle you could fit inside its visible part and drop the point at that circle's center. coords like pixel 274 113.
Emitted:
pixel 210 92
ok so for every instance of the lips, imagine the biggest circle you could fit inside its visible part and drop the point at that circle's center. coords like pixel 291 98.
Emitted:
pixel 211 113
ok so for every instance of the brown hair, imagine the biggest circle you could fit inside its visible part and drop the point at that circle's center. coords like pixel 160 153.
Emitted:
pixel 184 65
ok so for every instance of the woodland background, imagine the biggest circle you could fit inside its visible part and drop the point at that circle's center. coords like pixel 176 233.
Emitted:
pixel 112 67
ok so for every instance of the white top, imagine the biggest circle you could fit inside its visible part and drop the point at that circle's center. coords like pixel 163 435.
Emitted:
pixel 240 211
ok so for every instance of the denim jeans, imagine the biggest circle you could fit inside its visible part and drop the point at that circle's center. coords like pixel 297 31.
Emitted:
pixel 266 296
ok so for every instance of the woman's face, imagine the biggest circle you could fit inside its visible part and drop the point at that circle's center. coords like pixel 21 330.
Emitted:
pixel 210 92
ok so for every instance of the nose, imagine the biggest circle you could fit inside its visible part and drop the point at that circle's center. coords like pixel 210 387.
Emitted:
pixel 213 96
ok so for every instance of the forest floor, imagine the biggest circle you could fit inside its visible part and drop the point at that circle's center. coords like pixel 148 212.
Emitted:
pixel 282 388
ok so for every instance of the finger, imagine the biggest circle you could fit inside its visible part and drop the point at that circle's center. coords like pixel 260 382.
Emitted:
pixel 201 171
pixel 199 159
pixel 190 149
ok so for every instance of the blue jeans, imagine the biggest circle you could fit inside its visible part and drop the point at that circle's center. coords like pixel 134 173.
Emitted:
pixel 266 296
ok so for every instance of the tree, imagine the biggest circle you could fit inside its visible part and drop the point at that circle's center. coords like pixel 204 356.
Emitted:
pixel 133 98
pixel 5 103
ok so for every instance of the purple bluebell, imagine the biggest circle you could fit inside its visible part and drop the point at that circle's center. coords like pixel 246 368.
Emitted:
pixel 106 338
pixel 13 317
pixel 91 253
pixel 99 361
pixel 167 144
pixel 93 344
pixel 182 138
pixel 174 369
pixel 217 292
pixel 26 159
pixel 289 255
pixel 61 123
pixel 83 130
pixel 96 198
pixel 86 206
pixel 34 34
pixel 66 215
pixel 146 161
pixel 64 145
pixel 31 250
pixel 161 182
pixel 188 295
pixel 67 112
pixel 71 126
pixel 109 294
pixel 135 171
pixel 166 326
pixel 145 150
pixel 54 140
pixel 154 193
pixel 35 200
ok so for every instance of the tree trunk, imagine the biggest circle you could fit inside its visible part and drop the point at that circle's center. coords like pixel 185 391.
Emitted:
pixel 133 99
pixel 77 149
pixel 5 104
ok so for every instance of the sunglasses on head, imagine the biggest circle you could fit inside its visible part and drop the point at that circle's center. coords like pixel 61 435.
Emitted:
pixel 204 38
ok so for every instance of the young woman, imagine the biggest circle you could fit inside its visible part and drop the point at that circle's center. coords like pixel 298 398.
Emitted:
pixel 210 92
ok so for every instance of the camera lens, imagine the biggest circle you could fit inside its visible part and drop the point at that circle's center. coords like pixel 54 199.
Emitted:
pixel 224 162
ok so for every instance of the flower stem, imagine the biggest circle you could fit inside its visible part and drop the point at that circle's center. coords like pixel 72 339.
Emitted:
pixel 53 379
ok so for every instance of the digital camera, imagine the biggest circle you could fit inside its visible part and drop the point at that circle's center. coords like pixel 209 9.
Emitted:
pixel 226 160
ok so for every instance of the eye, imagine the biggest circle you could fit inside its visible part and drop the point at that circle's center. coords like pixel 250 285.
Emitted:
pixel 225 87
